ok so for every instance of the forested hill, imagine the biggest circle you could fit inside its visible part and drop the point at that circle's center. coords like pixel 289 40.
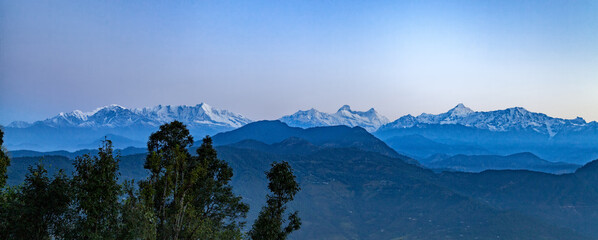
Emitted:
pixel 348 192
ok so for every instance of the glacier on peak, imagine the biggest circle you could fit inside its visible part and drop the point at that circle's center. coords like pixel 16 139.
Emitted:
pixel 460 110
pixel 118 116
pixel 344 108
pixel 516 118
pixel 202 114
pixel 369 120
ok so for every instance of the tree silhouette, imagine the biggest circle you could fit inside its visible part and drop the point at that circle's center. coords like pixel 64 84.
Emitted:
pixel 269 224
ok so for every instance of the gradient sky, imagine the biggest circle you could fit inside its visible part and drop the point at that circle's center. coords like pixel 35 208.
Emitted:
pixel 265 59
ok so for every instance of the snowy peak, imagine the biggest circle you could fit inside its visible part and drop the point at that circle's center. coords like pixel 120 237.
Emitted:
pixel 516 118
pixel 460 110
pixel 118 116
pixel 344 108
pixel 370 120
pixel 109 108
pixel 80 118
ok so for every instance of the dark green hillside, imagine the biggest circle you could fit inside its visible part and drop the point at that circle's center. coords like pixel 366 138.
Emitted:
pixel 290 145
pixel 73 155
pixel 589 173
pixel 131 167
pixel 337 136
pixel 420 147
pixel 352 194
pixel 569 200
pixel 519 161
pixel 18 167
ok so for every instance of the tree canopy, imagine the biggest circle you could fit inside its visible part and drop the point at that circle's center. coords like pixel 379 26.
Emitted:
pixel 190 195
pixel 4 161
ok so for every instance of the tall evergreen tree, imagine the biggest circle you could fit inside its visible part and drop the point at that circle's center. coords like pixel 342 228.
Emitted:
pixel 269 224
pixel 96 193
pixel 190 196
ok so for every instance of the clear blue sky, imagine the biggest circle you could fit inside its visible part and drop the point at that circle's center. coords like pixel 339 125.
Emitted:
pixel 265 59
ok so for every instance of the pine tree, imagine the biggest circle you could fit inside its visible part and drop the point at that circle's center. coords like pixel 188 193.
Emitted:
pixel 269 224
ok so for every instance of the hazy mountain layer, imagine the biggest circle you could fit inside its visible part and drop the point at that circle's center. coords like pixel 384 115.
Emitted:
pixel 479 163
pixel 503 132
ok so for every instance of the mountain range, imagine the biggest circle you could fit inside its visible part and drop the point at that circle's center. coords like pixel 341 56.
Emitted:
pixel 369 120
pixel 201 115
pixel 126 127
pixel 510 119
pixel 114 115
pixel 460 130
pixel 502 132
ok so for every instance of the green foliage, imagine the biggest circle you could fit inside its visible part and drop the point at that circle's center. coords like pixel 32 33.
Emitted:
pixel 6 197
pixel 37 209
pixel 190 196
pixel 4 161
pixel 9 205
pixel 214 201
pixel 269 224
pixel 96 193
pixel 137 219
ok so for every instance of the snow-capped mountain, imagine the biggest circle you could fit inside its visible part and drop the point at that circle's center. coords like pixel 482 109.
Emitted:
pixel 516 118
pixel 126 127
pixel 370 120
pixel 113 116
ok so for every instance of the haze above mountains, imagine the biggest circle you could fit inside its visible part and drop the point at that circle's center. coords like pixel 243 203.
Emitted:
pixel 460 130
